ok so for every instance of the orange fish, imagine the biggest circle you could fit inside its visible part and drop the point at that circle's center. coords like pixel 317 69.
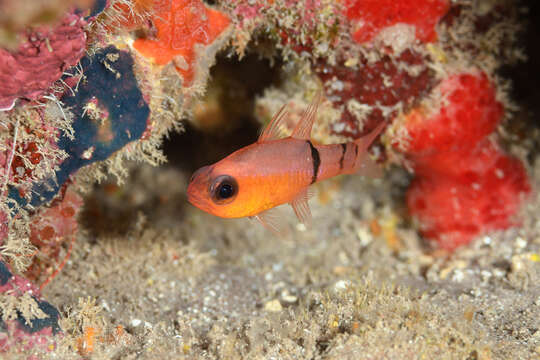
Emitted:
pixel 275 171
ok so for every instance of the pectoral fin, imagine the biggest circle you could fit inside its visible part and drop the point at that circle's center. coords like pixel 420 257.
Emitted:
pixel 273 221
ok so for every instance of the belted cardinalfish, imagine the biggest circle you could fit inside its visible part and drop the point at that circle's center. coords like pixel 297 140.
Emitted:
pixel 276 170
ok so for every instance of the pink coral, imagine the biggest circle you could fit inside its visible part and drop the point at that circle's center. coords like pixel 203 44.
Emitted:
pixel 28 72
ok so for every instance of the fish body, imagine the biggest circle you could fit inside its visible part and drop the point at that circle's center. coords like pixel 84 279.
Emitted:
pixel 275 171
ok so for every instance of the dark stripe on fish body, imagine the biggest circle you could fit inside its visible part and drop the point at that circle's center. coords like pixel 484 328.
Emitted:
pixel 343 150
pixel 316 161
pixel 355 151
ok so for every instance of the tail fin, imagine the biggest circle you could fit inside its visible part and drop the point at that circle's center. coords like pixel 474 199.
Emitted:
pixel 364 165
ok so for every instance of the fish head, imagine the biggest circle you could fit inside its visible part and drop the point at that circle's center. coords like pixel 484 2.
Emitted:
pixel 213 191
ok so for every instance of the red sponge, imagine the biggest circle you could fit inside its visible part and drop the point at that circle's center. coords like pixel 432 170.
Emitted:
pixel 182 25
pixel 465 184
pixel 371 16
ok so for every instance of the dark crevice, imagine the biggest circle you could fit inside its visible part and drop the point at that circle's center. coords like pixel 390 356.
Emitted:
pixel 228 123
pixel 524 78
pixel 525 75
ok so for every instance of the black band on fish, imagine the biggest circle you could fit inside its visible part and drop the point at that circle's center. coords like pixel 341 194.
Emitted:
pixel 343 150
pixel 316 161
pixel 355 151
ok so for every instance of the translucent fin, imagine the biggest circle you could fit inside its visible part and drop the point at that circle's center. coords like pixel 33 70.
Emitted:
pixel 273 130
pixel 301 207
pixel 310 192
pixel 368 167
pixel 303 128
pixel 365 141
pixel 273 220
pixel 364 164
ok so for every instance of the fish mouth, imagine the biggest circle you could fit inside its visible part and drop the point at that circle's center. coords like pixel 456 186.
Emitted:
pixel 192 196
pixel 195 193
pixel 195 197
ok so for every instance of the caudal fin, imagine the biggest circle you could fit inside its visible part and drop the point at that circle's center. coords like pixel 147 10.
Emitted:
pixel 364 165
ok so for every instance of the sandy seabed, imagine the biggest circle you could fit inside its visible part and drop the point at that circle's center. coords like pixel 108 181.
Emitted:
pixel 152 277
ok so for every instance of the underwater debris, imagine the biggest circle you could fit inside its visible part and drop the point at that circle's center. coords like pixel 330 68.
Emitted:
pixel 182 27
pixel 40 60
pixel 465 184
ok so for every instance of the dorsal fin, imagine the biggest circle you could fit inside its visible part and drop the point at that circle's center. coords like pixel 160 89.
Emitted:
pixel 273 130
pixel 303 128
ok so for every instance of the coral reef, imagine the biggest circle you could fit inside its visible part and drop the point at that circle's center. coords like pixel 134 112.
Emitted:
pixel 90 85
pixel 409 57
pixel 109 111
pixel 363 93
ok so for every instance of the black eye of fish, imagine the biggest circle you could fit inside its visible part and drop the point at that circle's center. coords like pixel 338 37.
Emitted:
pixel 225 191
pixel 224 188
